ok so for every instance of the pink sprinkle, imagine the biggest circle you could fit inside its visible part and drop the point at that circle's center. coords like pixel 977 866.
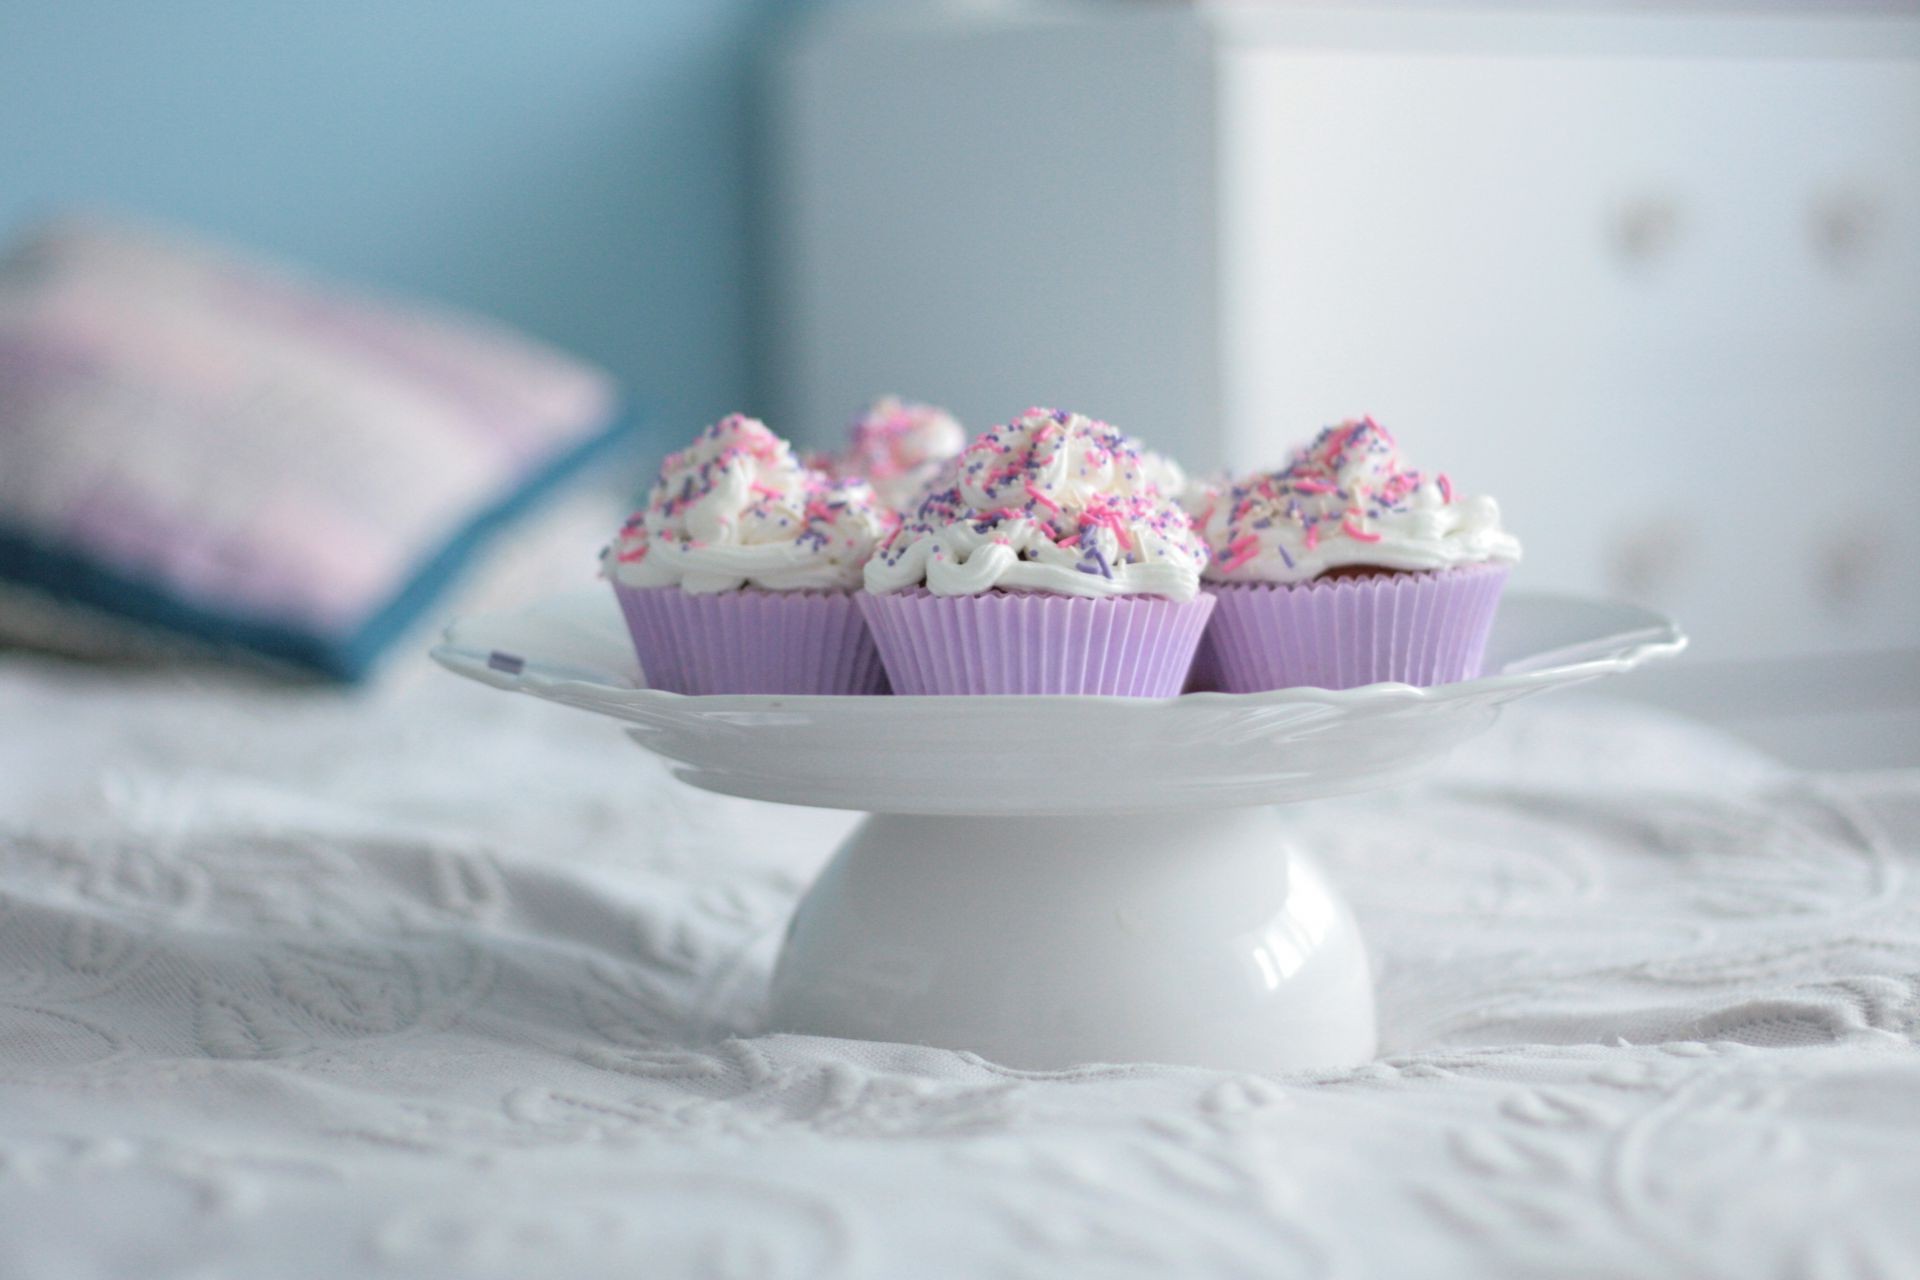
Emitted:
pixel 1446 487
pixel 1354 531
pixel 766 490
pixel 1071 540
pixel 634 556
pixel 1105 515
pixel 1041 498
pixel 1313 536
pixel 1243 549
pixel 1312 486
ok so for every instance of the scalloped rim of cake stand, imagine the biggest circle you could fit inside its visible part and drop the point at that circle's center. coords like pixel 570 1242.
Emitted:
pixel 1031 756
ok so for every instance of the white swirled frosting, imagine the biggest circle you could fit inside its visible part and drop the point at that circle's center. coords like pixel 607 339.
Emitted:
pixel 735 509
pixel 1164 474
pixel 1348 500
pixel 898 447
pixel 1053 502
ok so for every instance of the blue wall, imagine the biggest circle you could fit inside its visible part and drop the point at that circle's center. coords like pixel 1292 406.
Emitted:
pixel 577 168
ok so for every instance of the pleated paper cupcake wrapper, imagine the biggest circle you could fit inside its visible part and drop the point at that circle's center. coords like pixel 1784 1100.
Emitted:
pixel 1031 643
pixel 1415 628
pixel 792 642
pixel 1204 675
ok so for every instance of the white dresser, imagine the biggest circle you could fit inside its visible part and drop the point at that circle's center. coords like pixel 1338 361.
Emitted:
pixel 1652 280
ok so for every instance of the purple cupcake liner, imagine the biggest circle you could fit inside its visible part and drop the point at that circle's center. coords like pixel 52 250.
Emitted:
pixel 749 641
pixel 1415 628
pixel 1033 643
pixel 1204 675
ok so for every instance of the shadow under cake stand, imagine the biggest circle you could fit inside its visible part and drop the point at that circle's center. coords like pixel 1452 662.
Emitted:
pixel 1049 880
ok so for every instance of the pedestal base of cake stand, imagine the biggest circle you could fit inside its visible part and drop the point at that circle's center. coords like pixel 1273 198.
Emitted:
pixel 1043 942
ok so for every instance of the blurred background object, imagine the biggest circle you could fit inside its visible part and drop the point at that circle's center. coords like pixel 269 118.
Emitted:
pixel 1649 274
pixel 205 447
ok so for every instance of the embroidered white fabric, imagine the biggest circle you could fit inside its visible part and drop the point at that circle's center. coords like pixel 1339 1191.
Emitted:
pixel 434 981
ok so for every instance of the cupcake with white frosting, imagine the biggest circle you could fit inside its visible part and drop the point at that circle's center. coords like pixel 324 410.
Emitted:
pixel 1348 567
pixel 738 576
pixel 1044 560
pixel 898 447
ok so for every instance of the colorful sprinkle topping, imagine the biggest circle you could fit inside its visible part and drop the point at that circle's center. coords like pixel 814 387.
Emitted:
pixel 1348 499
pixel 1064 498
pixel 898 447
pixel 734 507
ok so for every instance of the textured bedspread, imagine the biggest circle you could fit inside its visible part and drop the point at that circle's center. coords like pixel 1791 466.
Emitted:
pixel 439 981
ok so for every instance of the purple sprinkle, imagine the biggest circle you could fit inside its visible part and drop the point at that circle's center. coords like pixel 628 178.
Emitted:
pixel 510 663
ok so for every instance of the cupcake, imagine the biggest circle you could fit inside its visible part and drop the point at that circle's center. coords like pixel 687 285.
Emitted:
pixel 1043 561
pixel 897 447
pixel 739 574
pixel 1347 567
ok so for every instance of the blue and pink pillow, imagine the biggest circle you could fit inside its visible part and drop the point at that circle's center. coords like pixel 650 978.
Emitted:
pixel 222 451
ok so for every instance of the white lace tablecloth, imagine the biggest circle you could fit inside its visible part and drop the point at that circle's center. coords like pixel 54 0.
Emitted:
pixel 439 981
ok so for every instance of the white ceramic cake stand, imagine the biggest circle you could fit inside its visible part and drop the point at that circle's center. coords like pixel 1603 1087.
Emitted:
pixel 1048 881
